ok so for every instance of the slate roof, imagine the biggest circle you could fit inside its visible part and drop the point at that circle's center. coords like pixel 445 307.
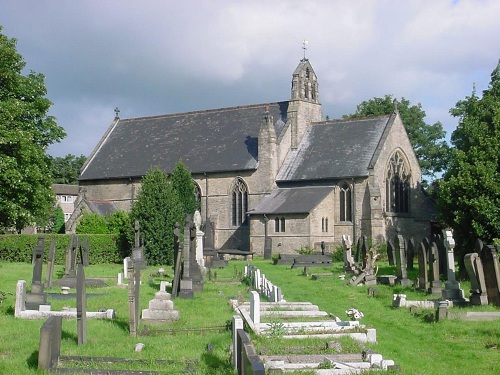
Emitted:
pixel 102 207
pixel 335 149
pixel 292 200
pixel 216 140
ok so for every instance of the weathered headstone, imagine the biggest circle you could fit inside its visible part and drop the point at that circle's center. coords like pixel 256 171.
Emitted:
pixel 435 284
pixel 70 270
pixel 410 253
pixel 177 261
pixel 474 268
pixel 50 264
pixel 452 289
pixel 390 253
pixel 85 254
pixel 347 249
pixel 423 279
pixel 186 283
pixel 364 251
pixel 81 305
pixel 267 240
pixel 37 296
pixel 400 250
pixel 491 273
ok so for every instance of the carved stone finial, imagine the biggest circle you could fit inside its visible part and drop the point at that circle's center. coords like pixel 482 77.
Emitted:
pixel 117 113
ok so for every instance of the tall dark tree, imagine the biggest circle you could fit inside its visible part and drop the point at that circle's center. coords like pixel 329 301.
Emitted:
pixel 469 193
pixel 427 140
pixel 66 170
pixel 26 131
pixel 157 208
pixel 183 183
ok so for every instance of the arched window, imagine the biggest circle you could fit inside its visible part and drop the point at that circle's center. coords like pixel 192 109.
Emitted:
pixel 345 205
pixel 197 193
pixel 282 224
pixel 397 185
pixel 239 203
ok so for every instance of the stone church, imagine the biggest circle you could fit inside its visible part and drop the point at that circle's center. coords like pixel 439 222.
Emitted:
pixel 274 169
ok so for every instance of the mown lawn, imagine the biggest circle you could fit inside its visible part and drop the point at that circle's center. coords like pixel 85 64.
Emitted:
pixel 419 347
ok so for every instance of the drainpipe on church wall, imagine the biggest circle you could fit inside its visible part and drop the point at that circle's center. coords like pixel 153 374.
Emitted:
pixel 353 210
pixel 206 197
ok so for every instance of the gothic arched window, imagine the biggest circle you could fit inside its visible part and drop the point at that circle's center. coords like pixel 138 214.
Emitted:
pixel 345 202
pixel 397 185
pixel 239 202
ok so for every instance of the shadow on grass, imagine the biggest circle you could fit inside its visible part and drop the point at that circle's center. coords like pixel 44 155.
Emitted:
pixel 123 324
pixel 216 364
pixel 32 360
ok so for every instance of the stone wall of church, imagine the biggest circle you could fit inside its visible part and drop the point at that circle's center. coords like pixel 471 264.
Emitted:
pixel 295 237
pixel 417 222
pixel 121 192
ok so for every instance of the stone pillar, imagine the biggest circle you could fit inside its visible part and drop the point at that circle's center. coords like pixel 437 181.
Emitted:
pixel 452 289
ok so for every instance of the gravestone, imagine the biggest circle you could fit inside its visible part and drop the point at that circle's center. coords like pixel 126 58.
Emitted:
pixel 199 241
pixel 186 282
pixel 209 235
pixel 177 261
pixel 161 308
pixel 50 264
pixel 423 279
pixel 410 253
pixel 70 270
pixel 491 269
pixel 452 289
pixel 268 246
pixel 400 251
pixel 357 255
pixel 81 305
pixel 347 249
pixel 364 251
pixel 474 267
pixel 85 254
pixel 439 239
pixel 37 296
pixel 134 283
pixel 436 286
pixel 390 253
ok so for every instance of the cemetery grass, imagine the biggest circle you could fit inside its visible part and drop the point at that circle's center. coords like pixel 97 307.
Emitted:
pixel 417 346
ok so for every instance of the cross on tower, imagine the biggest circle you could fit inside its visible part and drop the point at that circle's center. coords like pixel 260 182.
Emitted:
pixel 117 113
pixel 304 44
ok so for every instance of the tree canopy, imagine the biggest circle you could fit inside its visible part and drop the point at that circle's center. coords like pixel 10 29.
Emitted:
pixel 427 140
pixel 66 170
pixel 26 130
pixel 157 208
pixel 183 183
pixel 468 196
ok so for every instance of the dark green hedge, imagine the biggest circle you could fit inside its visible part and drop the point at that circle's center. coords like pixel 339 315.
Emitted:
pixel 103 248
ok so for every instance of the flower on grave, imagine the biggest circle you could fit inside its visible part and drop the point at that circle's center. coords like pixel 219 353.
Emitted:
pixel 354 314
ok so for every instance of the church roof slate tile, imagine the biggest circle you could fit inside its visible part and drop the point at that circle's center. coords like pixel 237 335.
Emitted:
pixel 292 200
pixel 335 149
pixel 217 140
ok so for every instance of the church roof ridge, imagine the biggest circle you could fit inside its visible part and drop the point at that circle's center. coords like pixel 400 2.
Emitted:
pixel 210 110
pixel 350 119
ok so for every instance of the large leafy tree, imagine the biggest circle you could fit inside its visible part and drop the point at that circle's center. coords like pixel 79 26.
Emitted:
pixel 157 208
pixel 26 131
pixel 183 183
pixel 427 140
pixel 66 170
pixel 469 193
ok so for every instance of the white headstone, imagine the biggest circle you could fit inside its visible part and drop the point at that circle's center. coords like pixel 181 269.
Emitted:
pixel 255 308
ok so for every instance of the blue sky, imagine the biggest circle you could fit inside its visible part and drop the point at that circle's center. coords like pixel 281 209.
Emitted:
pixel 154 57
